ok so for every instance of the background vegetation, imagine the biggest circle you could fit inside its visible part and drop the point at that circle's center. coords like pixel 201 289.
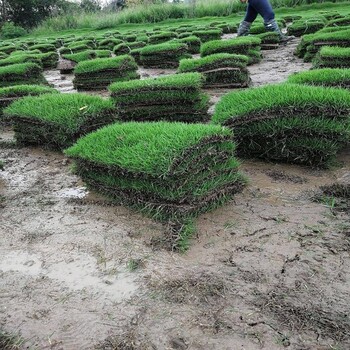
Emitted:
pixel 50 16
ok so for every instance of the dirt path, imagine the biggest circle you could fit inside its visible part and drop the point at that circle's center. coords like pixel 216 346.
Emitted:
pixel 268 270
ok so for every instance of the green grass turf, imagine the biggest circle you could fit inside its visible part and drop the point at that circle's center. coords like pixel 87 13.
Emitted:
pixel 212 61
pixel 192 81
pixel 332 57
pixel 103 53
pixel 335 52
pixel 43 47
pixel 25 90
pixel 74 49
pixel 193 43
pixel 161 37
pixel 24 73
pixel 299 28
pixel 80 56
pixel 287 99
pixel 120 63
pixel 236 45
pixel 20 58
pixel 164 48
pixel 151 149
pixel 57 120
pixel 322 77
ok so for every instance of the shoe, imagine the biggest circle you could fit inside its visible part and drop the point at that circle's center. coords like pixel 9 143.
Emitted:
pixel 272 26
pixel 243 28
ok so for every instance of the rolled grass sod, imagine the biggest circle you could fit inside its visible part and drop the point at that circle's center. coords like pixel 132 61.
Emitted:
pixel 222 70
pixel 69 62
pixel 13 93
pixel 301 27
pixel 57 120
pixel 19 74
pixel 49 59
pixel 249 46
pixel 99 73
pixel 109 43
pixel 323 77
pixel 8 49
pixel 43 47
pixel 193 43
pixel 168 170
pixel 103 53
pixel 333 57
pixel 312 43
pixel 74 49
pixel 339 22
pixel 288 122
pixel 80 56
pixel 166 55
pixel 171 98
pixel 161 37
pixel 208 34
pixel 20 58
pixel 269 41
pixel 121 49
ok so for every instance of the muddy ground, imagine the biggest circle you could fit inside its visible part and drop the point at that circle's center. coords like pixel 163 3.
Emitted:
pixel 269 270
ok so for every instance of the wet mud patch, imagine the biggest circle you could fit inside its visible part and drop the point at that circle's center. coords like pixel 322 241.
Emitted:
pixel 194 288
pixel 297 312
pixel 282 176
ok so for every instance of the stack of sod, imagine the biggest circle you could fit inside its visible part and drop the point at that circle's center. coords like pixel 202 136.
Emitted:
pixel 193 43
pixel 58 120
pixel 227 28
pixel 161 37
pixel 221 70
pixel 208 34
pixel 20 58
pixel 249 46
pixel 109 43
pixel 301 27
pixel 172 98
pixel 99 73
pixel 69 61
pixel 74 49
pixel 121 49
pixel 13 93
pixel 269 40
pixel 167 170
pixel 44 48
pixel 288 122
pixel 49 59
pixel 165 55
pixel 8 49
pixel 312 43
pixel 24 73
pixel 80 56
pixel 333 57
pixel 339 22
pixel 323 77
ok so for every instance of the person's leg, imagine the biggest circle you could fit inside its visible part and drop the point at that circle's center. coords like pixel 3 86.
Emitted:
pixel 264 8
pixel 251 13
pixel 249 18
